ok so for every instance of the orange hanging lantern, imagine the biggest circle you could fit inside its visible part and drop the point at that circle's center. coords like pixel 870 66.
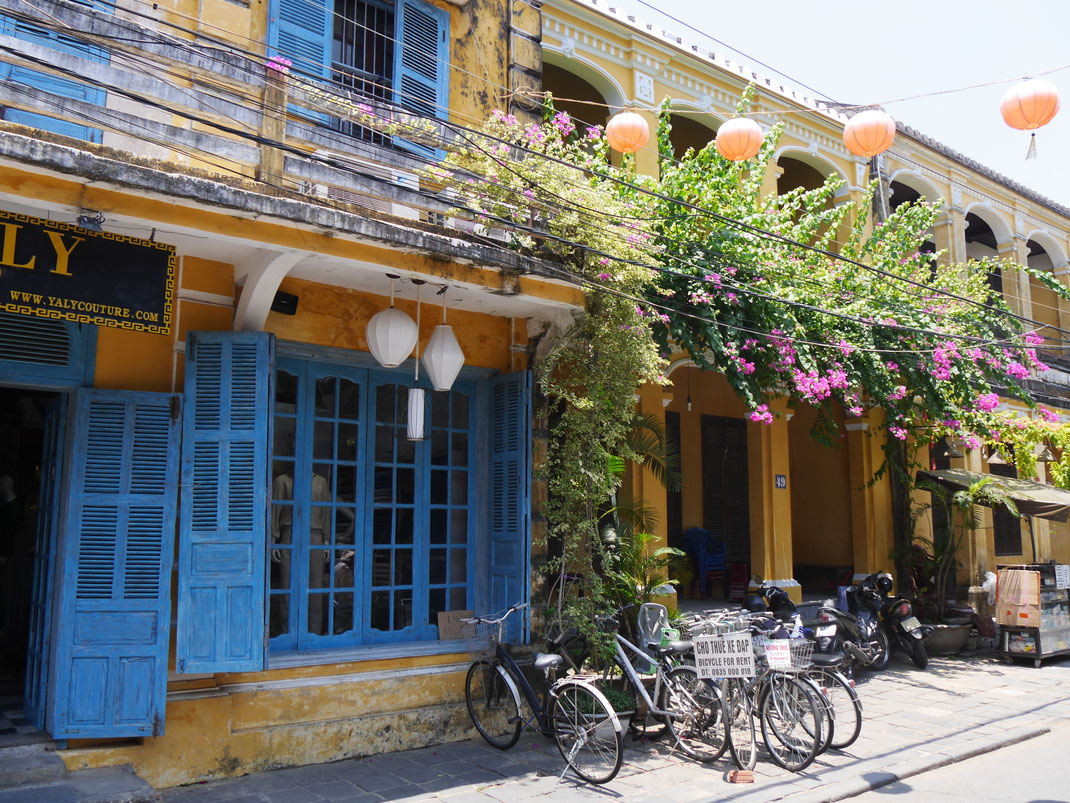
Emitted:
pixel 627 132
pixel 739 139
pixel 869 133
pixel 1028 105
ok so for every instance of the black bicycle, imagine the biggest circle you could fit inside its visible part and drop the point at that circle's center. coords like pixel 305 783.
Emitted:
pixel 572 711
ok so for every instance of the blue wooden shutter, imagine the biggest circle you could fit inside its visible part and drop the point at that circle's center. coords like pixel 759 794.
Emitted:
pixel 221 565
pixel 421 64
pixel 510 490
pixel 113 601
pixel 301 31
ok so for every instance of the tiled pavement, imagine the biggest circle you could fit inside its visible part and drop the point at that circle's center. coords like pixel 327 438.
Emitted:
pixel 914 720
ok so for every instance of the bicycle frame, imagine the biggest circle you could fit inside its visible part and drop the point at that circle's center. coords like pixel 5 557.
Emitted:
pixel 633 676
pixel 513 673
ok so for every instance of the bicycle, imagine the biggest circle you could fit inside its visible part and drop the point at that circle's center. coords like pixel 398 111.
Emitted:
pixel 687 706
pixel 572 711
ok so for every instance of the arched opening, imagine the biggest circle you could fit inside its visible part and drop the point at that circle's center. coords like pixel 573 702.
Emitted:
pixel 572 94
pixel 903 194
pixel 689 133
pixel 1044 301
pixel 981 244
pixel 795 173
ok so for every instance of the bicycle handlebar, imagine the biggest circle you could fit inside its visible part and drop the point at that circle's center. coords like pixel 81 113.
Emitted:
pixel 491 620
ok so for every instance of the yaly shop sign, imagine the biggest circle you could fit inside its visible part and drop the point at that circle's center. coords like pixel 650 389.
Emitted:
pixel 56 270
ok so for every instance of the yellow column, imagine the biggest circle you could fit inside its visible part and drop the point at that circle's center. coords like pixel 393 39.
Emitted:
pixel 770 502
pixel 646 158
pixel 871 504
pixel 950 234
pixel 975 556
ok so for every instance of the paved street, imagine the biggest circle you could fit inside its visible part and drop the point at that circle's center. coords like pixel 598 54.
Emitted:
pixel 915 721
pixel 1034 771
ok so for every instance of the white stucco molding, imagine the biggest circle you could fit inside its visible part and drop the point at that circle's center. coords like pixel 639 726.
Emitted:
pixel 263 273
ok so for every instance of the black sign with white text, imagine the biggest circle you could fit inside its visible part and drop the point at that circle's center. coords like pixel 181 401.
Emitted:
pixel 57 270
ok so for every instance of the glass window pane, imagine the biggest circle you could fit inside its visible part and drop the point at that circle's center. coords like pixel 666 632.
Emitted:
pixel 325 396
pixel 317 613
pixel 403 526
pixel 406 449
pixel 437 567
pixel 343 569
pixel 323 440
pixel 384 486
pixel 285 392
pixel 460 410
pixel 381 521
pixel 459 483
pixel 281 519
pixel 380 613
pixel 438 527
pixel 283 439
pixel 459 527
pixel 280 568
pixel 458 599
pixel 381 567
pixel 406 486
pixel 438 487
pixel 343 613
pixel 349 399
pixel 458 566
pixel 344 526
pixel 440 408
pixel 403 567
pixel 384 445
pixel 347 442
pixel 346 487
pixel 280 615
pixel 436 601
pixel 402 609
pixel 384 404
pixel 440 453
pixel 460 449
pixel 318 560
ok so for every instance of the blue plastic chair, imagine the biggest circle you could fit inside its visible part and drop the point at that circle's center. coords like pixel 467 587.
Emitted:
pixel 708 554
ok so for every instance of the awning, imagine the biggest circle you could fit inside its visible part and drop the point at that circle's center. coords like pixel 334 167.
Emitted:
pixel 1032 498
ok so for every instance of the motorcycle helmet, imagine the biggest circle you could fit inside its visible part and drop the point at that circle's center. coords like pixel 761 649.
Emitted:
pixel 754 603
pixel 884 584
pixel 779 600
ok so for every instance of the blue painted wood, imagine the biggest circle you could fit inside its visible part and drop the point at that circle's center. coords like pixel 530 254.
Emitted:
pixel 64 87
pixel 50 354
pixel 49 506
pixel 112 602
pixel 302 32
pixel 510 493
pixel 223 522
pixel 421 65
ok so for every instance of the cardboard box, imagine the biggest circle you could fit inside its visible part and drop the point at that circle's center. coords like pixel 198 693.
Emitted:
pixel 1017 587
pixel 1018 615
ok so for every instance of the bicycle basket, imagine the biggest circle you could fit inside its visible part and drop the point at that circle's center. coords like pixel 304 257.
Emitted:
pixel 800 650
pixel 480 638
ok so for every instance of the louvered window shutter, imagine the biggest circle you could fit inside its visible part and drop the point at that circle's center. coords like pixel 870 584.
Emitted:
pixel 221 557
pixel 113 599
pixel 421 66
pixel 301 31
pixel 510 491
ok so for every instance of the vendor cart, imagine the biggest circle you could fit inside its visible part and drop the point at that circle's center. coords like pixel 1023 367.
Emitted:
pixel 1033 610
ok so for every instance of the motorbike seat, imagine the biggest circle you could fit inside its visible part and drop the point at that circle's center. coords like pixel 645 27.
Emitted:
pixel 827 660
pixel 547 660
pixel 844 614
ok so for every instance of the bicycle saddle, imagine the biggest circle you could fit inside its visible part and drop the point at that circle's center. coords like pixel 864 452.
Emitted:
pixel 547 660
pixel 673 648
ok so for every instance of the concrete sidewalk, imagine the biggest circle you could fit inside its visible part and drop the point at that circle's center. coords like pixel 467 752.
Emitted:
pixel 914 720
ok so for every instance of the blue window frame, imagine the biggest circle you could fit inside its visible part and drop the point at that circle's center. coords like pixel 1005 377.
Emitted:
pixel 369 531
pixel 64 87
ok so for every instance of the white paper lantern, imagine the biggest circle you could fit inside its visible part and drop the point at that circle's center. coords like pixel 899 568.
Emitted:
pixel 391 337
pixel 443 357
pixel 417 399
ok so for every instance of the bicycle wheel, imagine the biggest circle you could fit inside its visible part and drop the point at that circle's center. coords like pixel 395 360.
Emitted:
pixel 586 731
pixel 737 712
pixel 846 708
pixel 493 704
pixel 824 707
pixel 699 729
pixel 791 722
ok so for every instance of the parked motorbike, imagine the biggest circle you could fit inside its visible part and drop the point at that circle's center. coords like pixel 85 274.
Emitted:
pixel 829 650
pixel 857 631
pixel 897 619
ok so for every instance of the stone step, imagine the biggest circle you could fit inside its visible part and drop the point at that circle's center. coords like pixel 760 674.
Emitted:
pixel 29 765
pixel 103 785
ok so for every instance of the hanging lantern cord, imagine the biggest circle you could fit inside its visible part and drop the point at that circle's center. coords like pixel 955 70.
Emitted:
pixel 416 367
pixel 442 292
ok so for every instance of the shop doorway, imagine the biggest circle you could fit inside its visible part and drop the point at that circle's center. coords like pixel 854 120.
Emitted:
pixel 725 485
pixel 31 428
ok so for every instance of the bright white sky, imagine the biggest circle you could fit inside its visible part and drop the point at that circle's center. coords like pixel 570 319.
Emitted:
pixel 853 51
